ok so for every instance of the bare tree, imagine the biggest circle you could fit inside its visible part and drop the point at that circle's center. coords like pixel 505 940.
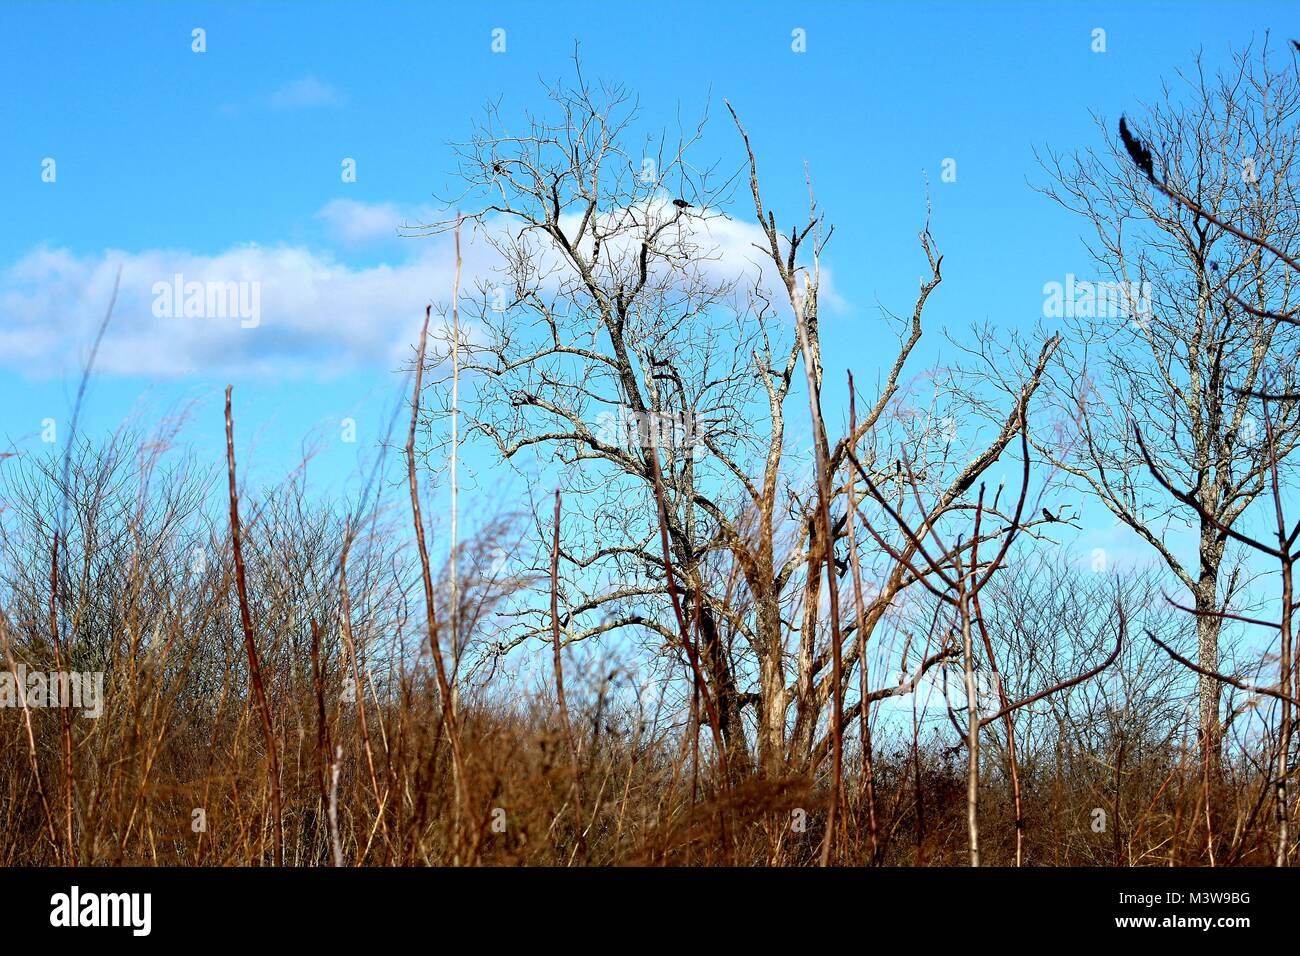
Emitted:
pixel 625 341
pixel 1175 331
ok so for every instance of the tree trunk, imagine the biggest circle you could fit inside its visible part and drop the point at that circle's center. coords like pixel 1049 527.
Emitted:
pixel 771 680
pixel 1207 641
pixel 723 680
pixel 806 705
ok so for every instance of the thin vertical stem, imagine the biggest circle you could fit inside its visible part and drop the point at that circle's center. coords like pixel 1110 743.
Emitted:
pixel 20 686
pixel 1285 664
pixel 246 620
pixel 323 748
pixel 972 701
pixel 455 449
pixel 345 626
pixel 65 728
pixel 556 641
pixel 435 645
pixel 868 772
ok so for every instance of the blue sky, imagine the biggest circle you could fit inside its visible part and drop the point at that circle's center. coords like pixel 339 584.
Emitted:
pixel 168 159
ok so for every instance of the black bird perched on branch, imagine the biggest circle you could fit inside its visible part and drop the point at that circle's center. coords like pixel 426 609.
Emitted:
pixel 1054 519
pixel 682 204
pixel 1296 44
pixel 1137 151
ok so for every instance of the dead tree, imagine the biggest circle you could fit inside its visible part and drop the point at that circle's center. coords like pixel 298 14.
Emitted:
pixel 626 337
pixel 1175 333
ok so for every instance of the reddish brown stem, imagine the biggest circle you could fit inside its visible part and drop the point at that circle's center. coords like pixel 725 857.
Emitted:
pixel 65 728
pixel 448 717
pixel 250 645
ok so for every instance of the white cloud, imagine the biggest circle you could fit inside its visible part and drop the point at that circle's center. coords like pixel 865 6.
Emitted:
pixel 318 315
pixel 723 248
pixel 358 223
pixel 305 93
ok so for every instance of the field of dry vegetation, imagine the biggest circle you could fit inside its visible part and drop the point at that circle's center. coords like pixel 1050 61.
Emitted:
pixel 700 640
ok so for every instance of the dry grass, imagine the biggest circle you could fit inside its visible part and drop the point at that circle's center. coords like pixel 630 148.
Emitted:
pixel 147 593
